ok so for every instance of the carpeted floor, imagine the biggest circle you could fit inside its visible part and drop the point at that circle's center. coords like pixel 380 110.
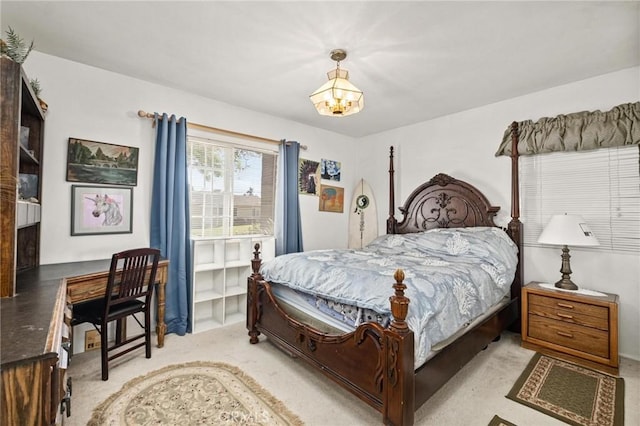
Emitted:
pixel 472 397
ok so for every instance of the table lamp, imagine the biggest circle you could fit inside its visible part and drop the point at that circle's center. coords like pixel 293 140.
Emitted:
pixel 567 230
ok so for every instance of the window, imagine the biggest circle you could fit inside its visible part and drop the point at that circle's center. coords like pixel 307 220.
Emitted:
pixel 232 188
pixel 603 186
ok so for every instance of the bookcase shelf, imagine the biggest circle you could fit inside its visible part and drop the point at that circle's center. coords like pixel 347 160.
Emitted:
pixel 22 141
pixel 220 270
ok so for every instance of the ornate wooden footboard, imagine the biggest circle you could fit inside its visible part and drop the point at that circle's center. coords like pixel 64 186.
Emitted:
pixel 377 363
pixel 373 362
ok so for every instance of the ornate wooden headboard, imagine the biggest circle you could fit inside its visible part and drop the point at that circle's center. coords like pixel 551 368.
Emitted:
pixel 442 202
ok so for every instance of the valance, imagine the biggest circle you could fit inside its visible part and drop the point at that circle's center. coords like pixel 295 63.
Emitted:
pixel 577 131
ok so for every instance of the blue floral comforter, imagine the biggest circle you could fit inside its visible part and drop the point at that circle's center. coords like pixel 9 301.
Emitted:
pixel 452 277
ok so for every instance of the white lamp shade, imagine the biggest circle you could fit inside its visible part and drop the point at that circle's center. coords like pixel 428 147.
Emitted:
pixel 567 229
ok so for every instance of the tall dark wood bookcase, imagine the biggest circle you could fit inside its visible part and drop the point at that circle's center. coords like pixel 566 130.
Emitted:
pixel 21 153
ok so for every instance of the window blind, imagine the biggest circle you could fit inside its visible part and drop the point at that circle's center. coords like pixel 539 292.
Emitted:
pixel 603 186
pixel 231 187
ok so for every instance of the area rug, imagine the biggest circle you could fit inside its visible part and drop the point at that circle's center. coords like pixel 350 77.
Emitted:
pixel 571 393
pixel 499 421
pixel 210 393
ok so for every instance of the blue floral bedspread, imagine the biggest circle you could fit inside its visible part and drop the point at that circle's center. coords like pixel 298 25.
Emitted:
pixel 452 277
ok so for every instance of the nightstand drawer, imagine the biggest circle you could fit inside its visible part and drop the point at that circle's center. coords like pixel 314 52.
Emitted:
pixel 570 306
pixel 584 339
pixel 570 312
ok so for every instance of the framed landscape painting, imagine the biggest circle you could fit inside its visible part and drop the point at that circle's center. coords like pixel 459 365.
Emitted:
pixel 104 163
pixel 101 210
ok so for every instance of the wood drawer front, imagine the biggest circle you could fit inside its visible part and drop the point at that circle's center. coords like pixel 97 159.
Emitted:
pixel 598 314
pixel 574 316
pixel 584 339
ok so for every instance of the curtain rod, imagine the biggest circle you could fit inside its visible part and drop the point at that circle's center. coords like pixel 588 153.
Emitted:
pixel 144 114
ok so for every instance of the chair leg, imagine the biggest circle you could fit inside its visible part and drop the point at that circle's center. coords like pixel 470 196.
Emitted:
pixel 119 331
pixel 147 333
pixel 104 352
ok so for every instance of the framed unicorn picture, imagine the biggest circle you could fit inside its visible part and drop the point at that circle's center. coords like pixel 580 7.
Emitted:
pixel 99 210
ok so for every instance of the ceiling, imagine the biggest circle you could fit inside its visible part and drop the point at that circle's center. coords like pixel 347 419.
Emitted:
pixel 414 60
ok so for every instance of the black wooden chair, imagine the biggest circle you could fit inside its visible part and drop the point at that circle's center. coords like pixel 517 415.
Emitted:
pixel 129 291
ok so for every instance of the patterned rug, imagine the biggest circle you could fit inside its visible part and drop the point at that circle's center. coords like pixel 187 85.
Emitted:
pixel 499 421
pixel 571 393
pixel 194 393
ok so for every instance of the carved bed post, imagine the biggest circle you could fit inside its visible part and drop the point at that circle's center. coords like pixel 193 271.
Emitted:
pixel 399 382
pixel 515 226
pixel 252 295
pixel 391 221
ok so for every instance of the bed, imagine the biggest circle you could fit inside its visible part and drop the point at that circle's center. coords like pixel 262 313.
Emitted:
pixel 379 360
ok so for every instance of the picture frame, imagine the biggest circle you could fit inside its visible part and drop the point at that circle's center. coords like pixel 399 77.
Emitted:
pixel 308 176
pixel 27 186
pixel 330 169
pixel 24 136
pixel 101 163
pixel 98 210
pixel 331 199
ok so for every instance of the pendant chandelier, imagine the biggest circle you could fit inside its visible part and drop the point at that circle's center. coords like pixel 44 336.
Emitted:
pixel 338 97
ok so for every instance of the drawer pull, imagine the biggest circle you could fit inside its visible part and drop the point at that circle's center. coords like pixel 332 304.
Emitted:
pixel 564 315
pixel 565 305
pixel 562 333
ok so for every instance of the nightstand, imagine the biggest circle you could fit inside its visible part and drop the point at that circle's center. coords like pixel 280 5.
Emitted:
pixel 580 328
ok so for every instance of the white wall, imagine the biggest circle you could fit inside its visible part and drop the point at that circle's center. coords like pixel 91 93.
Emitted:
pixel 94 104
pixel 463 145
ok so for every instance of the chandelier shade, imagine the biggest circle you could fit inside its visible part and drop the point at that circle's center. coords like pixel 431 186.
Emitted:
pixel 338 97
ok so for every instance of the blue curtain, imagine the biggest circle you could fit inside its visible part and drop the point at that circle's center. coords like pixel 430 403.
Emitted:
pixel 288 225
pixel 170 230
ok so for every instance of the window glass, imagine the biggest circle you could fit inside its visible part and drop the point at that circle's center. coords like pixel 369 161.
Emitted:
pixel 232 189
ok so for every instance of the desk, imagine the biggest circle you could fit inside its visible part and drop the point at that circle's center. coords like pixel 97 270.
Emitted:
pixel 32 379
pixel 29 320
pixel 90 283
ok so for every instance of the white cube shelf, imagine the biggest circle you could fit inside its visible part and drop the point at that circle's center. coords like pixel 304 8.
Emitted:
pixel 221 267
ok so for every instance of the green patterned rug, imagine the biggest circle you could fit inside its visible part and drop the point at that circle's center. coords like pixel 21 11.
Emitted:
pixel 499 421
pixel 193 393
pixel 571 393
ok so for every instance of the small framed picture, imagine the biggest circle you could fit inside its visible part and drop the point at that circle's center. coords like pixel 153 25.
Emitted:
pixel 330 170
pixel 24 137
pixel 308 177
pixel 101 210
pixel 331 199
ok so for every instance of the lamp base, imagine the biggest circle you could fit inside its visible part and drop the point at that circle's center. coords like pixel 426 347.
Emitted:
pixel 566 284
